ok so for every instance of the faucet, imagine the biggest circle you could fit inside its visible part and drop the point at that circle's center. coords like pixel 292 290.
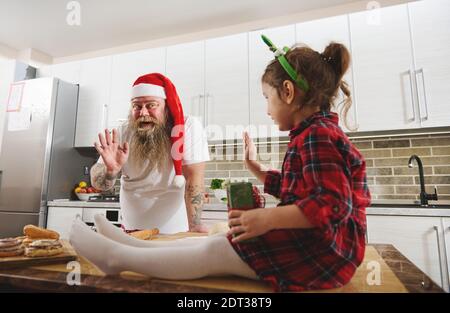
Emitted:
pixel 424 197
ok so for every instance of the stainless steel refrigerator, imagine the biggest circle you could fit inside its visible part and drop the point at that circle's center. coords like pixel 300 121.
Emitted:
pixel 37 158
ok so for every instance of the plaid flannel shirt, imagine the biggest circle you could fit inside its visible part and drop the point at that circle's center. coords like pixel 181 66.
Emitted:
pixel 324 175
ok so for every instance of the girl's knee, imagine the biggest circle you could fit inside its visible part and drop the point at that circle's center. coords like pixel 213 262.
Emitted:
pixel 217 242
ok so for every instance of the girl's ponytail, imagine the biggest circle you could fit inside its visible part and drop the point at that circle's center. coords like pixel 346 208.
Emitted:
pixel 338 57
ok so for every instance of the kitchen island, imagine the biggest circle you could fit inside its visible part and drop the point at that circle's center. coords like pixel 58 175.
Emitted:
pixel 384 270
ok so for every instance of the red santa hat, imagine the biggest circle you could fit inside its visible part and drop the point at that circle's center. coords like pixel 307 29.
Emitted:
pixel 157 85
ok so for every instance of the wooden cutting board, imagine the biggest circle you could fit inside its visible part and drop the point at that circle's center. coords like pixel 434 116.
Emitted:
pixel 68 255
pixel 389 282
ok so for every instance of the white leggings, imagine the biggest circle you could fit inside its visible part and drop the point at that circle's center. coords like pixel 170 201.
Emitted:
pixel 114 251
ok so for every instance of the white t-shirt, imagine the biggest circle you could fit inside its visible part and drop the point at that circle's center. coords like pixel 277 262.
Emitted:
pixel 147 199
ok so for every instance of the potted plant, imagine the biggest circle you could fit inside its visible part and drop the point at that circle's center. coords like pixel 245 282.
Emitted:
pixel 219 186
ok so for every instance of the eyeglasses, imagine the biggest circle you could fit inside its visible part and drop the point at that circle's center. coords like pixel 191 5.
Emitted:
pixel 148 106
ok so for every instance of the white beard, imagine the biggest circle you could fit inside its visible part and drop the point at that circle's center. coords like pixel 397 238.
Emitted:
pixel 150 144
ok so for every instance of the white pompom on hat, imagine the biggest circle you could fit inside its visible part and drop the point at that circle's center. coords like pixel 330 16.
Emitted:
pixel 158 85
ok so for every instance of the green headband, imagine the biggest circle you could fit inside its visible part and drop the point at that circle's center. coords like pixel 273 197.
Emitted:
pixel 279 54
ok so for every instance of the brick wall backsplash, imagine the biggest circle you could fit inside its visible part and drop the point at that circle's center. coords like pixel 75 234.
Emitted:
pixel 388 174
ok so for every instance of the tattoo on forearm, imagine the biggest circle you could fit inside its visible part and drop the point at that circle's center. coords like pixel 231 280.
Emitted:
pixel 194 203
pixel 197 199
pixel 100 179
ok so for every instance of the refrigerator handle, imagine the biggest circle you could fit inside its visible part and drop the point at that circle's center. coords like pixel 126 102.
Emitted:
pixel 1 175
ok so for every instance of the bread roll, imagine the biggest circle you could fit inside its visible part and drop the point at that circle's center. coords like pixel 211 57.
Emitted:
pixel 145 234
pixel 32 231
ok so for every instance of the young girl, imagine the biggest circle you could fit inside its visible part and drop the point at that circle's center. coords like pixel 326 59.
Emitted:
pixel 314 238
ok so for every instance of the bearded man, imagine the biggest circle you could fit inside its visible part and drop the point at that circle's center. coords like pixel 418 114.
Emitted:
pixel 161 156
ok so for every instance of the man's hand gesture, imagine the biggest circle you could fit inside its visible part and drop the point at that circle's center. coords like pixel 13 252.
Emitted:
pixel 113 154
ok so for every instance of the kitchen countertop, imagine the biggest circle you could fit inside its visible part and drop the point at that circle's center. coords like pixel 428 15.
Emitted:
pixel 378 207
pixel 406 201
pixel 398 274
pixel 408 211
pixel 83 204
pixel 409 203
pixel 381 207
pixel 409 208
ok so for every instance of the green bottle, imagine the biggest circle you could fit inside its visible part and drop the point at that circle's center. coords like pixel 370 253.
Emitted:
pixel 240 197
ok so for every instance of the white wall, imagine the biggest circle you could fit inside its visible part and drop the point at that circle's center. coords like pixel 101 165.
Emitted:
pixel 6 78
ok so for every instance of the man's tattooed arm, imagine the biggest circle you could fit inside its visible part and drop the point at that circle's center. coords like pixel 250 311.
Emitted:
pixel 194 204
pixel 100 178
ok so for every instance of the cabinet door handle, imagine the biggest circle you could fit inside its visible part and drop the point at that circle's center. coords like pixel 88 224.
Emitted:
pixel 105 116
pixel 420 71
pixel 207 109
pixel 411 90
pixel 436 229
pixel 201 110
pixel 445 247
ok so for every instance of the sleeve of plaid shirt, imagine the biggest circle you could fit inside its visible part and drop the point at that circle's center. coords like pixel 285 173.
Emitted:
pixel 327 197
pixel 272 183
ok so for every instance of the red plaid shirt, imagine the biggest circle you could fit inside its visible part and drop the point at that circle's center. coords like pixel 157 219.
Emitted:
pixel 325 176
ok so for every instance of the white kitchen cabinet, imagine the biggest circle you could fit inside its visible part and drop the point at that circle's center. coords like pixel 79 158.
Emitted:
pixel 60 219
pixel 446 229
pixel 430 27
pixel 185 65
pixel 383 69
pixel 126 68
pixel 318 34
pixel 44 71
pixel 69 71
pixel 261 125
pixel 418 238
pixel 226 86
pixel 93 100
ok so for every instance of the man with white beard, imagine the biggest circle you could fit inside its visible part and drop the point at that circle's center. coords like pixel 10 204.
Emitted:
pixel 161 155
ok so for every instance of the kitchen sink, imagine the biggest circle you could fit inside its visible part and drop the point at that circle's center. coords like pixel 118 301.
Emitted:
pixel 400 203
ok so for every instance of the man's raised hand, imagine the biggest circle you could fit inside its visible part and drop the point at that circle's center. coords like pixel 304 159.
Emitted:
pixel 113 154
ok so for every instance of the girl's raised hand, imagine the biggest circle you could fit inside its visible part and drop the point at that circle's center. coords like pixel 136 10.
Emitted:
pixel 249 147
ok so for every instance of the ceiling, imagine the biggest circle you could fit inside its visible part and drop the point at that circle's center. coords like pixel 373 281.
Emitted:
pixel 105 24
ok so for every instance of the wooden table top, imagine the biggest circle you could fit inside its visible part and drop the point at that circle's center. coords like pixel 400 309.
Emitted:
pixel 398 274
